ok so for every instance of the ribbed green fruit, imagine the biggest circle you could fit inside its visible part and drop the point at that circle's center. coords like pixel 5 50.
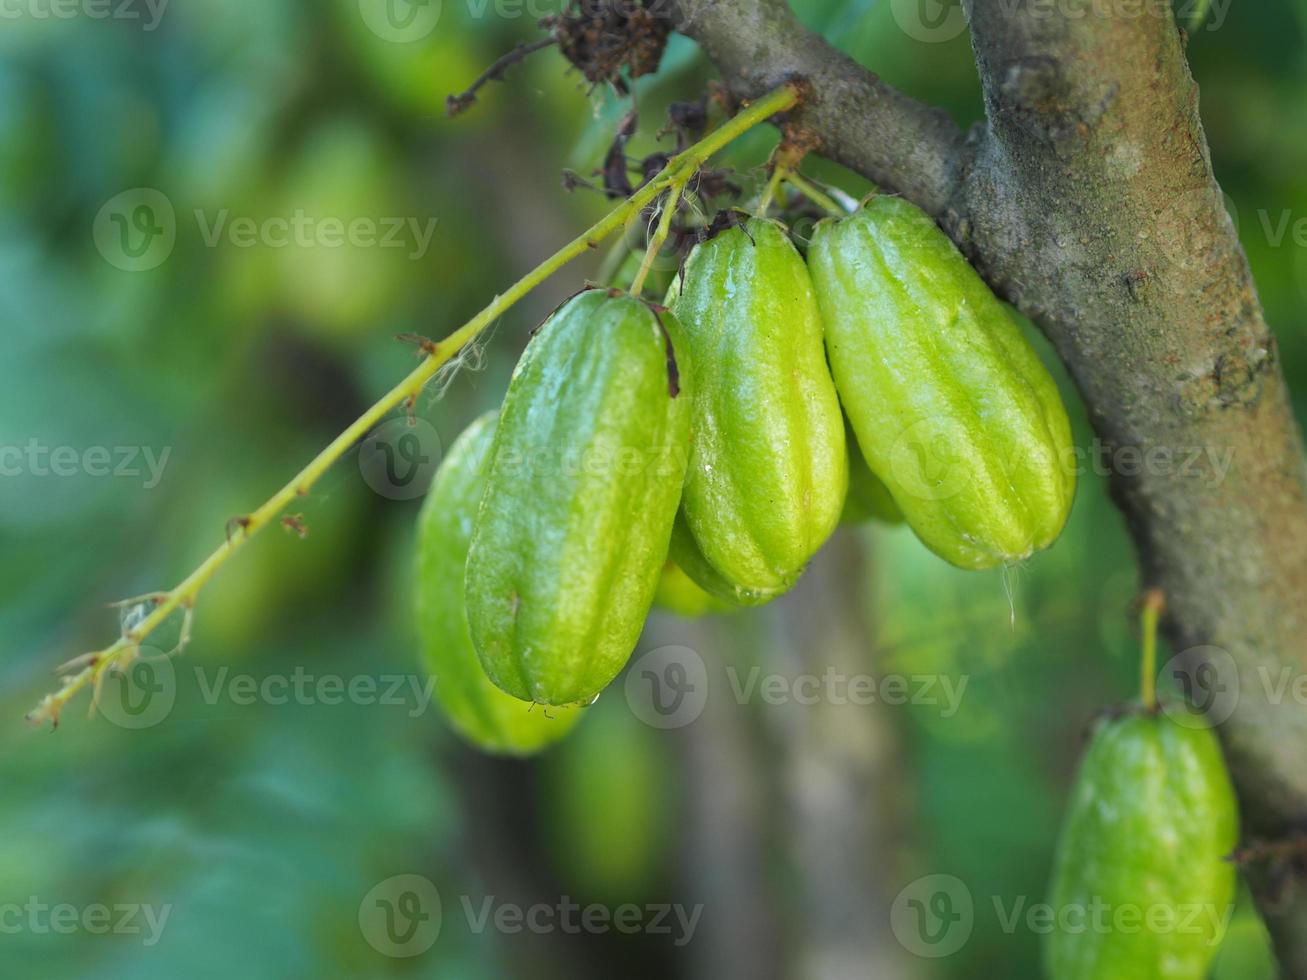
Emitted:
pixel 951 405
pixel 1141 885
pixel 768 468
pixel 478 710
pixel 585 478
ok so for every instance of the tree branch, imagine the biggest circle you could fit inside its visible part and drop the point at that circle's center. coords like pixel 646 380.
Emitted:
pixel 1088 200
pixel 859 120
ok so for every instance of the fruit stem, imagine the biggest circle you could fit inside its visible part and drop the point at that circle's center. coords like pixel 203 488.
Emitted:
pixel 814 194
pixel 659 237
pixel 1153 603
pixel 768 198
pixel 678 170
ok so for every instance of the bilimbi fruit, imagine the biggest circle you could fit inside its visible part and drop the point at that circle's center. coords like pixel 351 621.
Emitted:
pixel 951 405
pixel 585 479
pixel 1142 882
pixel 768 467
pixel 479 711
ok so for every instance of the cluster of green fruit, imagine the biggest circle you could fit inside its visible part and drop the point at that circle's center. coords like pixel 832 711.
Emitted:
pixel 700 450
pixel 698 454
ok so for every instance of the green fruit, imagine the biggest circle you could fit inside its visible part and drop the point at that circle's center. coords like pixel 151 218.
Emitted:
pixel 951 405
pixel 768 468
pixel 868 497
pixel 684 550
pixel 679 593
pixel 477 710
pixel 1151 821
pixel 1247 952
pixel 585 477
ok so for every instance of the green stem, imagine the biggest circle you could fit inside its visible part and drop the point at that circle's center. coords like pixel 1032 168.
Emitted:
pixel 1198 15
pixel 1154 603
pixel 769 192
pixel 660 236
pixel 677 172
pixel 814 194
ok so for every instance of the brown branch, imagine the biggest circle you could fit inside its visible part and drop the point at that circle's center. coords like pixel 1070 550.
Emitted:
pixel 456 104
pixel 1089 201
pixel 857 119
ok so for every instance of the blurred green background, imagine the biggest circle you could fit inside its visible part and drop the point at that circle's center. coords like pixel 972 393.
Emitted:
pixel 146 399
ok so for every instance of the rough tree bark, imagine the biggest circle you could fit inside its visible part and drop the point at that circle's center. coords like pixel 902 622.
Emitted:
pixel 1087 199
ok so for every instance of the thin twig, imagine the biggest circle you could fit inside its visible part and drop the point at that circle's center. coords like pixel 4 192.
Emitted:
pixel 814 194
pixel 455 104
pixel 1291 848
